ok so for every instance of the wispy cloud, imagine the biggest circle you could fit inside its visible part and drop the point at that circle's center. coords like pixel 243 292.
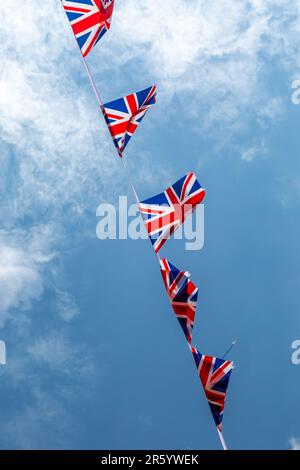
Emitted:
pixel 50 124
pixel 45 375
pixel 52 143
pixel 212 55
pixel 57 161
pixel 56 352
pixel 66 305
pixel 23 259
pixel 256 151
pixel 295 443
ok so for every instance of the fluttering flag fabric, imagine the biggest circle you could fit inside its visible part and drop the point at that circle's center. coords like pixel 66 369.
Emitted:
pixel 125 114
pixel 214 374
pixel 183 295
pixel 90 20
pixel 164 213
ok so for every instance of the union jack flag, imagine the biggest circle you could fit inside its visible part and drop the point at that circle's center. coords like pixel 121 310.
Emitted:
pixel 90 19
pixel 125 114
pixel 214 374
pixel 164 213
pixel 183 295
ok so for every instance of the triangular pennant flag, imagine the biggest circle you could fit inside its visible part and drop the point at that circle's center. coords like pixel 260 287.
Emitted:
pixel 183 294
pixel 125 114
pixel 214 374
pixel 164 213
pixel 90 20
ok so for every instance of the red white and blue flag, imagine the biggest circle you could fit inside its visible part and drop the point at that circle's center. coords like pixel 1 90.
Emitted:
pixel 90 19
pixel 182 293
pixel 125 114
pixel 214 374
pixel 164 213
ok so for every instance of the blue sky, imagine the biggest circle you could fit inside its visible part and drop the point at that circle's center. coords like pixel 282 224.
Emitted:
pixel 95 357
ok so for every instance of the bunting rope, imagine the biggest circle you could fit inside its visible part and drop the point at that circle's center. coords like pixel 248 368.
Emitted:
pixel 162 214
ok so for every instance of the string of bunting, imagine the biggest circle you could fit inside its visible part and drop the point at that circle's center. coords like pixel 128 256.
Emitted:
pixel 164 213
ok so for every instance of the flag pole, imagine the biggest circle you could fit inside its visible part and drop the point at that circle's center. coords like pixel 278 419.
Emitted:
pixel 220 434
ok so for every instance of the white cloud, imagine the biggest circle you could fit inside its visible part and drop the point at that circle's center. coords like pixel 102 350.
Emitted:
pixel 20 279
pixel 46 374
pixel 52 125
pixel 39 423
pixel 56 352
pixel 22 262
pixel 66 305
pixel 211 51
pixel 56 158
pixel 273 110
pixel 256 151
pixel 57 161
pixel 216 53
